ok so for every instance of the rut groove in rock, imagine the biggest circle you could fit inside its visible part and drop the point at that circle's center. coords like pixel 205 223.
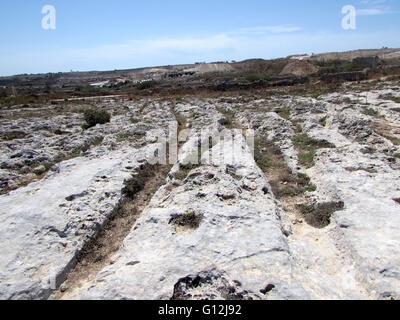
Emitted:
pixel 138 192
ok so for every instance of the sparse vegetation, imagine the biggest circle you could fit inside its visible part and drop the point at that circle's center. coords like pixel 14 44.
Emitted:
pixel 284 112
pixel 13 135
pixel 390 97
pixel 391 138
pixel 371 112
pixel 144 85
pixel 180 119
pixel 308 147
pixel 369 170
pixel 138 181
pixel 78 150
pixel 188 220
pixel 253 77
pixel 229 119
pixel 134 120
pixel 319 215
pixel 94 117
pixel 284 183
pixel 97 141
pixel 315 95
pixel 337 66
pixel 123 136
pixel 23 100
pixel 184 170
pixel 238 197
pixel 264 151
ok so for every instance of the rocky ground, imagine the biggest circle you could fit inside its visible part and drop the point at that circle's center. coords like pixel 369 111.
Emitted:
pixel 314 214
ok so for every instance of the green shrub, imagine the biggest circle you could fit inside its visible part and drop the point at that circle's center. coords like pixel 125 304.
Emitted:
pixel 123 136
pixel 371 112
pixel 284 112
pixel 146 85
pixel 95 117
pixel 253 77
pixel 134 120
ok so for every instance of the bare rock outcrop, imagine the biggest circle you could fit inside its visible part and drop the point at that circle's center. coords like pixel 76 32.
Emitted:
pixel 236 248
pixel 45 225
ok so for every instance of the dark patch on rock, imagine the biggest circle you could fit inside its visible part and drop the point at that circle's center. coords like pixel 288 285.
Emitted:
pixel 208 286
pixel 267 289
pixel 189 220
pixel 225 197
pixel 138 181
pixel 76 196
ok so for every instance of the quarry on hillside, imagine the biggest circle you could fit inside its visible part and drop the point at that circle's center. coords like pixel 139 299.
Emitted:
pixel 308 209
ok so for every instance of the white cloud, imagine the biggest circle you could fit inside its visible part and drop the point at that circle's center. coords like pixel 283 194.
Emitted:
pixel 372 12
pixel 266 30
pixel 373 1
pixel 182 45
pixel 245 43
pixel 197 45
pixel 374 8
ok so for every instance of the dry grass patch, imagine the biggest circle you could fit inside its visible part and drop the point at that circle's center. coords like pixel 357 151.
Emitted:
pixel 12 135
pixel 283 182
pixel 307 148
pixel 384 129
pixel 184 170
pixel 390 97
pixel 371 112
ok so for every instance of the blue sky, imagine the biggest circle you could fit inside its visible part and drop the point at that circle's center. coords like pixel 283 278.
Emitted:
pixel 120 34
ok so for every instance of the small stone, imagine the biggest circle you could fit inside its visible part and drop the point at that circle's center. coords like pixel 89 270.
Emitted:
pixel 25 170
pixel 223 121
pixel 63 287
pixel 39 170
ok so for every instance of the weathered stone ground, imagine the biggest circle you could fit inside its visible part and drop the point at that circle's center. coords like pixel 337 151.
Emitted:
pixel 314 215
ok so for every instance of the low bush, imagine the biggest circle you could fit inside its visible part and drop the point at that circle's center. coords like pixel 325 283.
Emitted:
pixel 319 215
pixel 145 85
pixel 95 117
